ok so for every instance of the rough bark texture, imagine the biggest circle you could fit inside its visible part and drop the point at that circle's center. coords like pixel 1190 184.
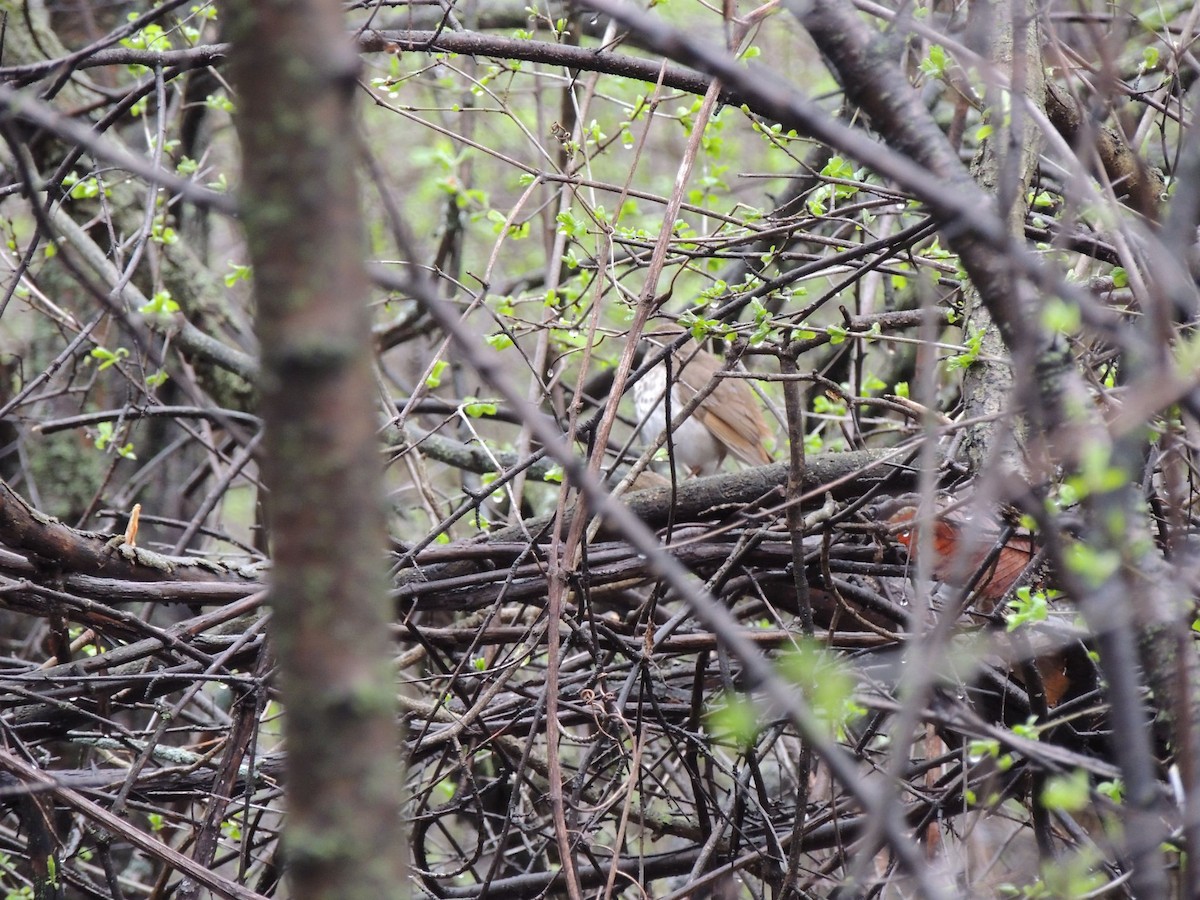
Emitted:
pixel 295 70
pixel 1006 162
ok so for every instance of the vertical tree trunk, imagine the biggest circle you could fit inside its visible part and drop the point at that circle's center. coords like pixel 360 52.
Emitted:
pixel 295 71
pixel 1004 167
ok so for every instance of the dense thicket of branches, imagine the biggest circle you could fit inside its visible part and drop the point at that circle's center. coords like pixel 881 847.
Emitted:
pixel 944 646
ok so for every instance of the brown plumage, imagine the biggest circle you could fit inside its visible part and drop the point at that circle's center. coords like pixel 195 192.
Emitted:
pixel 958 552
pixel 728 421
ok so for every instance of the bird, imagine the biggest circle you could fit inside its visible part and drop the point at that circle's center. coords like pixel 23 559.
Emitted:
pixel 727 421
pixel 958 551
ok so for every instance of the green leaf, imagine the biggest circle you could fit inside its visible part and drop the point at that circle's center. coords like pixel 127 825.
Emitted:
pixel 1028 729
pixel 475 407
pixel 873 383
pixel 84 189
pixel 1062 317
pixel 219 102
pixel 838 168
pixel 738 717
pixel 1113 790
pixel 817 200
pixel 239 273
pixel 1068 793
pixel 968 358
pixel 570 224
pixel 1092 565
pixel 160 305
pixel 1028 606
pixel 104 435
pixel 434 379
pixel 826 683
pixel 982 748
pixel 934 64
pixel 1041 199
pixel 108 358
pixel 150 37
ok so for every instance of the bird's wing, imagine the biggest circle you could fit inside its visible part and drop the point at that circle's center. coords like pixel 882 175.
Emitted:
pixel 731 412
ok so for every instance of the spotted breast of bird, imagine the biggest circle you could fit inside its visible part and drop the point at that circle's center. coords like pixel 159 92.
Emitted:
pixel 728 420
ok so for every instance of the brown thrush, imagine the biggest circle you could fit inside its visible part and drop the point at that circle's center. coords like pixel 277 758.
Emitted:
pixel 728 420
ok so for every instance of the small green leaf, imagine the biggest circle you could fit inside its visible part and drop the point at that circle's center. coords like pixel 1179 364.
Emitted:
pixel 239 273
pixel 934 65
pixel 1029 729
pixel 738 717
pixel 1094 566
pixel 474 407
pixel 435 374
pixel 160 305
pixel 108 358
pixel 1068 793
pixel 969 357
pixel 1041 199
pixel 104 435
pixel 983 747
pixel 1028 606
pixel 826 683
pixel 1061 317
pixel 219 102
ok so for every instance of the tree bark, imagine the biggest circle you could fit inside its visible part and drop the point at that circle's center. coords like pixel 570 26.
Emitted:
pixel 295 71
